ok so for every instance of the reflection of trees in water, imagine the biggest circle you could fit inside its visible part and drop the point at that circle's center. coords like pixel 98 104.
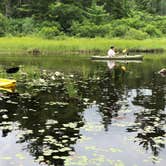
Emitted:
pixel 38 108
pixel 150 122
pixel 106 88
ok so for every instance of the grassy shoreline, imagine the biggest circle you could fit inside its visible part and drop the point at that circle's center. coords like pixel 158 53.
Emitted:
pixel 22 45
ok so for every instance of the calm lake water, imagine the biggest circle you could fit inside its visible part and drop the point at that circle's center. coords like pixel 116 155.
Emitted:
pixel 74 111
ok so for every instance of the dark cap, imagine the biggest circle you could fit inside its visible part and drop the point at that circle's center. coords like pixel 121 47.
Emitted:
pixel 112 47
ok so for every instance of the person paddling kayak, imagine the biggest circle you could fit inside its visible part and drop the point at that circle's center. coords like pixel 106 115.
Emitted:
pixel 111 52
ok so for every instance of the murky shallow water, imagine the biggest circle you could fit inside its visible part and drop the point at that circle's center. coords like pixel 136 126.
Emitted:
pixel 84 114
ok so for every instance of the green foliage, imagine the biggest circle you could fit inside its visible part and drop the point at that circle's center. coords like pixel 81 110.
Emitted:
pixel 20 26
pixel 65 14
pixel 117 9
pixel 2 25
pixel 152 31
pixel 160 23
pixel 119 31
pixel 49 32
pixel 152 6
pixel 89 30
pixel 28 26
pixel 14 45
pixel 14 26
pixel 96 14
pixel 136 21
pixel 90 18
pixel 136 34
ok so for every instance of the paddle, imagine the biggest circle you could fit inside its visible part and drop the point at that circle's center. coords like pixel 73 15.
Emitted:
pixel 123 51
pixel 12 70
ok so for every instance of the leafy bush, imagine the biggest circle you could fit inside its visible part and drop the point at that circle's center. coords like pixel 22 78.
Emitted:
pixel 136 34
pixel 160 24
pixel 119 31
pixel 135 22
pixel 89 30
pixel 152 31
pixel 49 32
pixel 20 27
pixel 28 26
pixel 2 25
pixel 65 14
pixel 14 26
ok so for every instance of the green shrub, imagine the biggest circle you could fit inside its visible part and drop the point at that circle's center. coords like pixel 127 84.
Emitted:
pixel 152 31
pixel 89 30
pixel 136 34
pixel 135 22
pixel 49 24
pixel 14 27
pixel 65 14
pixel 20 27
pixel 28 26
pixel 119 31
pixel 160 24
pixel 49 32
pixel 2 25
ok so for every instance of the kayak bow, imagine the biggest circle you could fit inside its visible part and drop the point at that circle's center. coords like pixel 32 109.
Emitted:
pixel 7 83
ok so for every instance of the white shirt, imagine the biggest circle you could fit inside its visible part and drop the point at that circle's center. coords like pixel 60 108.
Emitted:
pixel 110 64
pixel 111 53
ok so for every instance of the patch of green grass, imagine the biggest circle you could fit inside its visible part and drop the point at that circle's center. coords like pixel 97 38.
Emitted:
pixel 23 44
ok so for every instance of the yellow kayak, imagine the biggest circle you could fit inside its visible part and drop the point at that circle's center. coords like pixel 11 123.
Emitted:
pixel 7 83
pixel 11 90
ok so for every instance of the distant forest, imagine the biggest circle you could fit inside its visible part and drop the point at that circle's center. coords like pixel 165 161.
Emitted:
pixel 138 19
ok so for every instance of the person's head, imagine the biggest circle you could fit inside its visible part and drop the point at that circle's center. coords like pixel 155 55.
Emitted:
pixel 112 47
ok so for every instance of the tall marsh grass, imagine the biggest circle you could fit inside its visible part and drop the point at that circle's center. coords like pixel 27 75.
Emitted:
pixel 23 44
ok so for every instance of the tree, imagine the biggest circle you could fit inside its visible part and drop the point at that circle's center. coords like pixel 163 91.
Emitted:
pixel 117 9
pixel 96 13
pixel 65 14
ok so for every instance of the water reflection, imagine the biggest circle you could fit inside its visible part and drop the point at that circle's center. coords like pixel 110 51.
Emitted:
pixel 48 120
pixel 47 109
pixel 150 122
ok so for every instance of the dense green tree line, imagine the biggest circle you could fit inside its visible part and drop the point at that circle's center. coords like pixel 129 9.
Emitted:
pixel 85 18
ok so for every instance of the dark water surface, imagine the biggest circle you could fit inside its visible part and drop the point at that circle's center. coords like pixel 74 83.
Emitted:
pixel 74 111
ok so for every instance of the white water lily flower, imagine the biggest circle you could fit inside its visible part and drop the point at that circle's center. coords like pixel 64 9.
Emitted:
pixel 51 122
pixel 4 116
pixel 86 99
pixel 41 131
pixel 41 80
pixel 94 102
pixel 70 125
pixel 71 75
pixel 53 77
pixel 57 73
pixel 24 117
pixel 3 110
